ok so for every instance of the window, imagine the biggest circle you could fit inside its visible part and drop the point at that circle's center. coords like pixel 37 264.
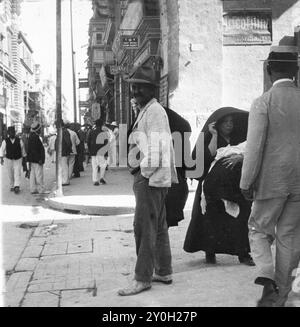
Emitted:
pixel 151 8
pixel 99 38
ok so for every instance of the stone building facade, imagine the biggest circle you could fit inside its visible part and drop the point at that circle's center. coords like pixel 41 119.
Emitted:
pixel 213 51
pixel 9 12
pixel 208 53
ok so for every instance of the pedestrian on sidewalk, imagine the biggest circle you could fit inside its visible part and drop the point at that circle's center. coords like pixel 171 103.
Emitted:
pixel 69 142
pixel 36 160
pixel 271 176
pixel 98 148
pixel 75 142
pixel 152 162
pixel 114 144
pixel 86 131
pixel 79 157
pixel 51 147
pixel 214 227
pixel 14 150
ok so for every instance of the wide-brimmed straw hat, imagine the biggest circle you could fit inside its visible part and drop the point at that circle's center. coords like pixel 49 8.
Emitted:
pixel 114 124
pixel 286 51
pixel 143 75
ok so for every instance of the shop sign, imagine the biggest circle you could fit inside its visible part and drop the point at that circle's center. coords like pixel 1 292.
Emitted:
pixel 83 104
pixel 114 70
pixel 142 57
pixel 83 83
pixel 244 28
pixel 130 42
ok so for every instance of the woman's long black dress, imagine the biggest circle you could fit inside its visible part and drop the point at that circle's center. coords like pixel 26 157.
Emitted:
pixel 216 231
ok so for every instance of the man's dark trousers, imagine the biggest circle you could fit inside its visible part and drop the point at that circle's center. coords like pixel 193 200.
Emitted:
pixel 150 230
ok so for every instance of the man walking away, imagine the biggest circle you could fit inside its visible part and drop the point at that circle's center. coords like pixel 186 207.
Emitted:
pixel 36 160
pixel 271 176
pixel 152 161
pixel 75 142
pixel 14 150
pixel 98 147
pixel 79 158
pixel 66 159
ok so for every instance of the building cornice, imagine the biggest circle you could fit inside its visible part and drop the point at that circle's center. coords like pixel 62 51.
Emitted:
pixel 26 66
pixel 22 37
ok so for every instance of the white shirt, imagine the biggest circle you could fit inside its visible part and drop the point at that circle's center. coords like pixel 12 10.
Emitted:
pixel 75 140
pixel 3 148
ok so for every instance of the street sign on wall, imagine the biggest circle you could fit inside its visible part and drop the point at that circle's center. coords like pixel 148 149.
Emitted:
pixel 130 42
pixel 83 83
pixel 83 104
pixel 114 70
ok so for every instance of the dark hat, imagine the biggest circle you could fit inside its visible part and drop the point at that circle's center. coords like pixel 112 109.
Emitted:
pixel 275 56
pixel 144 75
pixel 11 129
pixel 286 51
pixel 35 127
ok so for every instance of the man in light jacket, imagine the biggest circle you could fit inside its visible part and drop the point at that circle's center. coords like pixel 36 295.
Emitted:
pixel 271 176
pixel 152 161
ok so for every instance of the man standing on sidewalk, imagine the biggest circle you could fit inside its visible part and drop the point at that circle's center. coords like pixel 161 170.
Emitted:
pixel 75 142
pixel 69 142
pixel 36 160
pixel 271 176
pixel 152 161
pixel 13 148
pixel 97 143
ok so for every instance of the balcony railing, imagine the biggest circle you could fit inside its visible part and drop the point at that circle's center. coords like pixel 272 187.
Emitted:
pixel 148 28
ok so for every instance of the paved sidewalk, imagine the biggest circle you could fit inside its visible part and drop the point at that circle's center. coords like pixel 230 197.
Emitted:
pixel 114 198
pixel 58 259
pixel 83 262
pixel 81 196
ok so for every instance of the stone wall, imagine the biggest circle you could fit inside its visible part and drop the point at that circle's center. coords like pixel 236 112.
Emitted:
pixel 203 73
pixel 195 57
pixel 243 66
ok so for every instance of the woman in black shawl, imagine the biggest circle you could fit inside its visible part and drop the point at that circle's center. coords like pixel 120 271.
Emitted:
pixel 216 231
